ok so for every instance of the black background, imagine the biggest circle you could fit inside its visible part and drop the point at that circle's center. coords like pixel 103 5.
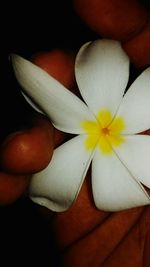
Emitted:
pixel 25 236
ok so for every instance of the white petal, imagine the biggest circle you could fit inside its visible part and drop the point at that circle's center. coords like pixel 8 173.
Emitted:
pixel 114 188
pixel 65 110
pixel 135 154
pixel 102 71
pixel 135 107
pixel 57 186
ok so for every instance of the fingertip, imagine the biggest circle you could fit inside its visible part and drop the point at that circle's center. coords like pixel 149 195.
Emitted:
pixel 58 63
pixel 28 151
pixel 115 19
pixel 138 48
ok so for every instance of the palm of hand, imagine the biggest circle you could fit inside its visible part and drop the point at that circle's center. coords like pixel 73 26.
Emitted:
pixel 90 237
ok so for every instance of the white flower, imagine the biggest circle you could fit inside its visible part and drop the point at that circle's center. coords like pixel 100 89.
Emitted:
pixel 106 129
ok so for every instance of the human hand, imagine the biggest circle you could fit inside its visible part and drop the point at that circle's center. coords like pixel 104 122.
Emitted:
pixel 98 229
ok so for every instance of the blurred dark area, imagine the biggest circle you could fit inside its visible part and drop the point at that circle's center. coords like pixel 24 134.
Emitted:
pixel 25 235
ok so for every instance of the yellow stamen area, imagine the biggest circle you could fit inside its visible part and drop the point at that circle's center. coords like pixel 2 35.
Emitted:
pixel 105 133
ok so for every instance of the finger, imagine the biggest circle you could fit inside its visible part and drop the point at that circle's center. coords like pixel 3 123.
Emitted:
pixel 146 231
pixel 127 21
pixel 28 151
pixel 115 19
pixel 138 48
pixel 12 187
pixel 59 64
pixel 106 244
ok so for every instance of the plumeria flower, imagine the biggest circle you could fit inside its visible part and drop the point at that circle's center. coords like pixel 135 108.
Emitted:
pixel 107 128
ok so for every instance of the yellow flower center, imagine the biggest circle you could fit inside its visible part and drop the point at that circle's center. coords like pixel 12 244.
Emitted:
pixel 105 133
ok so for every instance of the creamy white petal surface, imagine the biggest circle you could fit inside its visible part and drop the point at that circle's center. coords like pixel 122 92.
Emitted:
pixel 135 154
pixel 135 107
pixel 102 71
pixel 113 186
pixel 65 110
pixel 57 186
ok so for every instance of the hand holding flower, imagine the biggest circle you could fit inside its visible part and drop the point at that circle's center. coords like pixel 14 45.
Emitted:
pixel 94 237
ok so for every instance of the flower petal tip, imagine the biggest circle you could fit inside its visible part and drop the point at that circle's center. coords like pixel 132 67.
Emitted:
pixel 53 206
pixel 15 59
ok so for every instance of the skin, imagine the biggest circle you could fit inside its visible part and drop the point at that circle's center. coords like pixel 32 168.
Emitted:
pixel 85 236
